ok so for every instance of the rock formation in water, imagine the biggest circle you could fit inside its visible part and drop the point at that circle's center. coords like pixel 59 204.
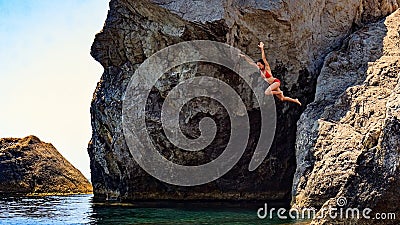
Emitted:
pixel 298 36
pixel 348 138
pixel 30 166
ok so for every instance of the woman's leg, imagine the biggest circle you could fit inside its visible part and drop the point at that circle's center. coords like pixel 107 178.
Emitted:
pixel 273 89
pixel 287 99
pixel 276 92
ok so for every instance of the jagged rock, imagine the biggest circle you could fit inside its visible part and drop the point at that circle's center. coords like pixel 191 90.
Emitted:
pixel 348 138
pixel 30 166
pixel 299 34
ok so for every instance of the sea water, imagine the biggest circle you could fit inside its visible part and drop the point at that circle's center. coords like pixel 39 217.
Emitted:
pixel 80 209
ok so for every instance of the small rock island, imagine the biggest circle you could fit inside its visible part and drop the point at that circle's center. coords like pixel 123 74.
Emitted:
pixel 29 166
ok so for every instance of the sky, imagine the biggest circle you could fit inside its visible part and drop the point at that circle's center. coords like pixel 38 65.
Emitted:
pixel 47 76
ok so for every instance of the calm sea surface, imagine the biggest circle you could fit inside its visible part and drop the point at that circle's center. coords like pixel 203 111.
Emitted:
pixel 79 209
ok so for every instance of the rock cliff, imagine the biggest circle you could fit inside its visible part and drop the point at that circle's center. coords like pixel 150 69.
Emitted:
pixel 348 137
pixel 30 166
pixel 299 35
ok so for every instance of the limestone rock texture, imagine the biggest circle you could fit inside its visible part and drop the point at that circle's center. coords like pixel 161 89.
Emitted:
pixel 348 138
pixel 29 166
pixel 298 36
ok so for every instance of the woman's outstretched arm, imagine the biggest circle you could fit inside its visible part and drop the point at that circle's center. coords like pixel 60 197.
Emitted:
pixel 248 59
pixel 264 58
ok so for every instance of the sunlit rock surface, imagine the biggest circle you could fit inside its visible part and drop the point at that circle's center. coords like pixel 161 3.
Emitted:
pixel 30 166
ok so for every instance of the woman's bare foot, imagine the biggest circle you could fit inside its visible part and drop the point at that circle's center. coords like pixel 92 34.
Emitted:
pixel 297 101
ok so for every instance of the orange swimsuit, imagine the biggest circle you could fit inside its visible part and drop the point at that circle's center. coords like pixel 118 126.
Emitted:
pixel 267 75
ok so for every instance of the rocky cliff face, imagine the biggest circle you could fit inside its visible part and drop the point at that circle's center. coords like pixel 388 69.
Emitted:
pixel 299 34
pixel 30 166
pixel 348 138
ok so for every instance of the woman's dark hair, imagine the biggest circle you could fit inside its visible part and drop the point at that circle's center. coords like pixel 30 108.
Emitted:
pixel 260 61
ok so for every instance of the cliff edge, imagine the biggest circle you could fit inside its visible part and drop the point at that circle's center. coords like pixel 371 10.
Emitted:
pixel 298 36
pixel 348 138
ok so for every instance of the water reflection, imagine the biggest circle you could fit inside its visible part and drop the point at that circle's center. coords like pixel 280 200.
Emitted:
pixel 80 209
pixel 75 209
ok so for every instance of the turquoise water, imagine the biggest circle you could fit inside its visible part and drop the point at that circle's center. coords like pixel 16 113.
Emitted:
pixel 79 209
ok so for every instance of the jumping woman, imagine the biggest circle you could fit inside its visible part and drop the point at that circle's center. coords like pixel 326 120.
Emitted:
pixel 265 70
